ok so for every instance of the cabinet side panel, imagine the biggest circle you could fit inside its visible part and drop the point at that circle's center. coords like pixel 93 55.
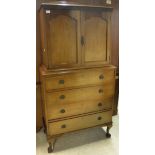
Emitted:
pixel 39 122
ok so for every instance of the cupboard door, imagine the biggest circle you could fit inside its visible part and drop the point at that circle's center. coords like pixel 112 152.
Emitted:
pixel 95 38
pixel 62 33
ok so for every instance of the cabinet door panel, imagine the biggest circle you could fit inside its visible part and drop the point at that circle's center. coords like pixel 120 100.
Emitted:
pixel 62 37
pixel 96 37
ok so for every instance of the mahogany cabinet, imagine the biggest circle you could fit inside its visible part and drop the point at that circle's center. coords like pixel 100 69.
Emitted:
pixel 77 77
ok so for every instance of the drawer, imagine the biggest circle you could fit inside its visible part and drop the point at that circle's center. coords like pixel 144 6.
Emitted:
pixel 79 123
pixel 80 78
pixel 64 110
pixel 81 94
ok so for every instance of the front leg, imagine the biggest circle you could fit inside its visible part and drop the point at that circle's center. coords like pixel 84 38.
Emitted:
pixel 108 135
pixel 51 145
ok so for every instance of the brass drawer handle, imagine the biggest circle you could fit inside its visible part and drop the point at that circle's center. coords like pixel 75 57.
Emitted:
pixel 99 118
pixel 100 91
pixel 63 126
pixel 101 77
pixel 62 111
pixel 61 81
pixel 100 104
pixel 62 97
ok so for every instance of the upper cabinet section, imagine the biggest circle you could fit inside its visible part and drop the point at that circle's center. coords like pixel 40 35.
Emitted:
pixel 75 37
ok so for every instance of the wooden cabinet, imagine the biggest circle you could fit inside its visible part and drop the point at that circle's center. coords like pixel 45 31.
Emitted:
pixel 77 78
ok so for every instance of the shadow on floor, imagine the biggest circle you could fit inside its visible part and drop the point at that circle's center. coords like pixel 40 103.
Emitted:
pixel 79 138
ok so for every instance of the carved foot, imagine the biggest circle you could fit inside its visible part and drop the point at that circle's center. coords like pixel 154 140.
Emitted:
pixel 108 135
pixel 50 149
pixel 51 146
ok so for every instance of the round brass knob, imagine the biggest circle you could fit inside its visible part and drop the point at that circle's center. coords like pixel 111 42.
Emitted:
pixel 62 97
pixel 100 91
pixel 99 118
pixel 61 81
pixel 100 104
pixel 101 77
pixel 63 126
pixel 62 110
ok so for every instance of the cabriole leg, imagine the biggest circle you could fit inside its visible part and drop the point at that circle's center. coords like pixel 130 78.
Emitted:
pixel 51 145
pixel 108 135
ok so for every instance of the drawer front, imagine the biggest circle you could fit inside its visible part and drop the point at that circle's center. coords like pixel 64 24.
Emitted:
pixel 80 78
pixel 64 110
pixel 81 94
pixel 79 123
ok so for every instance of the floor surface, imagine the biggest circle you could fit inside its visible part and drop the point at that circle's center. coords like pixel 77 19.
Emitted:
pixel 90 141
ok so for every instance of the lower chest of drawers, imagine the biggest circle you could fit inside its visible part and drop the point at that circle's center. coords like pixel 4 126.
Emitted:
pixel 74 100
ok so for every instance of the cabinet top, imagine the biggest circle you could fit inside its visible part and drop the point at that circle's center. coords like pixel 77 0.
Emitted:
pixel 78 3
